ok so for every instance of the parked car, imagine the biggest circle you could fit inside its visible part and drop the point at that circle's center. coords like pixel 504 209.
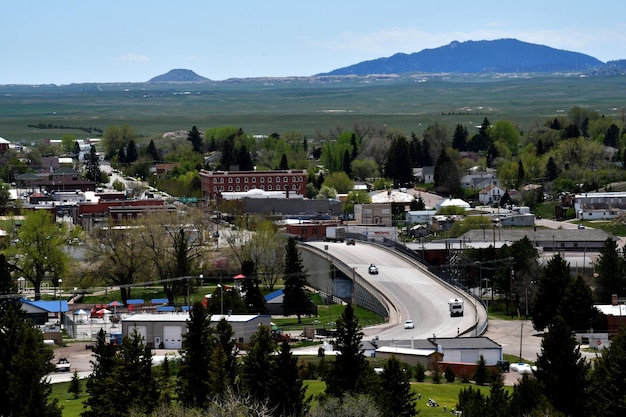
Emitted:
pixel 372 269
pixel 409 324
pixel 504 366
pixel 522 368
pixel 62 365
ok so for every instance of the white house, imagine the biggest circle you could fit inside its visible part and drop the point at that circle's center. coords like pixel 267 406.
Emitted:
pixel 599 206
pixel 490 194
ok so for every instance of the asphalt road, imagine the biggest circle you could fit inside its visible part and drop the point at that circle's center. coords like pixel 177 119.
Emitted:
pixel 415 293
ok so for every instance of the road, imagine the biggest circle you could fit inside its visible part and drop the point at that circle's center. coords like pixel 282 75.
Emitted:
pixel 416 294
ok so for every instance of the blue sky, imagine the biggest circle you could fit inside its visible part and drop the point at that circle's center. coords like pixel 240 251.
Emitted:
pixel 73 41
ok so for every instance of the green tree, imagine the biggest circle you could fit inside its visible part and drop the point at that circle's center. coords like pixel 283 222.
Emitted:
pixel 554 279
pixel 131 152
pixel 255 302
pixel 459 138
pixel 288 393
pixel 40 243
pixel 396 399
pixel 244 160
pixel 364 168
pixel 355 197
pixel 417 204
pixel 349 405
pixel 67 143
pixel 258 364
pixel 528 399
pixel 284 165
pixel 472 402
pixel 75 385
pixel 93 165
pixel 101 400
pixel 347 163
pixel 340 181
pixel 610 270
pixel 562 371
pixel 576 306
pixel 134 386
pixel 5 197
pixel 225 340
pixel 552 171
pixel 25 361
pixel 398 162
pixel 194 388
pixel 607 393
pixel 350 373
pixel 195 138
pixel 152 152
pixel 446 175
pixel 296 300
pixel 480 373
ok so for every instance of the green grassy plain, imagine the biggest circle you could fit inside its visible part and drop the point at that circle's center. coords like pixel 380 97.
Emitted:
pixel 307 105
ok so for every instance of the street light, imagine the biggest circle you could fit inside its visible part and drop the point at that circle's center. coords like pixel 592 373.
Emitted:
pixel 221 298
pixel 60 304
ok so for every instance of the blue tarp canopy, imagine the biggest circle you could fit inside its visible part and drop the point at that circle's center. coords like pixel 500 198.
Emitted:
pixel 135 301
pixel 159 301
pixel 164 309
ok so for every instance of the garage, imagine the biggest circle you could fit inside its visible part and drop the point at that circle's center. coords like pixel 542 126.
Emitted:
pixel 172 337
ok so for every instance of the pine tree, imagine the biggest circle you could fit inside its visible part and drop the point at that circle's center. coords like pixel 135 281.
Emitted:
pixel 93 165
pixel 295 299
pixel 396 399
pixel 258 365
pixel 131 152
pixel 284 165
pixel 607 395
pixel 459 139
pixel 244 160
pixel 255 302
pixel 346 164
pixel 193 376
pixel 224 337
pixel 350 373
pixel 398 161
pixel 196 139
pixel 25 361
pixel 528 399
pixel 552 171
pixel 610 270
pixel 554 279
pixel 480 373
pixel 101 400
pixel 152 152
pixel 576 306
pixel 287 393
pixel 74 387
pixel 562 371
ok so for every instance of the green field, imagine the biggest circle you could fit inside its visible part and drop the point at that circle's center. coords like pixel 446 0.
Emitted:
pixel 305 105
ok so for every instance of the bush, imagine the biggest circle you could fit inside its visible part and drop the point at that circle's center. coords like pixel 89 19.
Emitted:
pixel 420 373
pixel 449 374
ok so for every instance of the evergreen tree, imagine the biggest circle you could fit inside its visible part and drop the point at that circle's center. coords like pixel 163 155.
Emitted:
pixel 350 373
pixel 284 165
pixel 459 139
pixel 346 164
pixel 484 127
pixel 498 400
pixel 611 138
pixel 528 399
pixel 131 152
pixel 25 361
pixel 552 171
pixel 134 386
pixel 225 341
pixel 610 270
pixel 152 152
pixel 76 150
pixel 480 373
pixel 228 153
pixel 194 389
pixel 255 302
pixel 416 151
pixel 101 400
pixel 395 398
pixel 258 364
pixel 540 148
pixel 472 402
pixel 446 175
pixel 244 160
pixel 93 165
pixel 562 371
pixel 74 387
pixel 196 139
pixel 287 393
pixel 121 155
pixel 607 396
pixel 576 306
pixel 398 162
pixel 521 174
pixel 295 300
pixel 417 204
pixel 554 279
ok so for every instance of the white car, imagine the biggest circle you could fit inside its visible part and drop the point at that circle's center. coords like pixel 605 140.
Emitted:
pixel 522 368
pixel 409 324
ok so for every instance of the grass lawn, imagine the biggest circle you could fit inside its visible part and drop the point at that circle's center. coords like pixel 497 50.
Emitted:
pixel 445 394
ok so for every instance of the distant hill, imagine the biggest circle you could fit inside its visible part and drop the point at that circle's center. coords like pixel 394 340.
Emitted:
pixel 502 55
pixel 178 76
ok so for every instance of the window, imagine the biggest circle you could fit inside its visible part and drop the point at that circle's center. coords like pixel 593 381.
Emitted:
pixel 269 179
pixel 238 180
pixel 230 180
pixel 237 188
pixel 221 188
pixel 269 188
pixel 285 179
pixel 277 179
pixel 215 188
pixel 230 188
pixel 278 187
pixel 245 180
pixel 262 179
pixel 293 186
pixel 253 179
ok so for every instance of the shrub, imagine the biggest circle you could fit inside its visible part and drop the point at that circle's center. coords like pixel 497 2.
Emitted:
pixel 449 374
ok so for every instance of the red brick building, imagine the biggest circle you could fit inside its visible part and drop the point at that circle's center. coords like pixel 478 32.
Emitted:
pixel 213 183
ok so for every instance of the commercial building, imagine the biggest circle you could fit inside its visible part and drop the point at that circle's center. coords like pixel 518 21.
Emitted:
pixel 214 183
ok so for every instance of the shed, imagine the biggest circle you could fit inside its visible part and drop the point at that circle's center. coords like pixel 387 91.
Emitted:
pixel 274 302
pixel 426 357
pixel 468 349
pixel 165 330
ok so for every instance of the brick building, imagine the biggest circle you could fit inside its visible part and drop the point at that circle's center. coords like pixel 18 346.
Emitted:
pixel 213 183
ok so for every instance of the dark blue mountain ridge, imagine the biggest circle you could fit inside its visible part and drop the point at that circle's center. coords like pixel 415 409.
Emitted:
pixel 495 56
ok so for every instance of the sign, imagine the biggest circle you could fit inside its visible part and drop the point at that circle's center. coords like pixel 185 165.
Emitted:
pixel 188 199
pixel 599 342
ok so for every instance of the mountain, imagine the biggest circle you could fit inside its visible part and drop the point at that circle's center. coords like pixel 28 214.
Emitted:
pixel 502 55
pixel 178 76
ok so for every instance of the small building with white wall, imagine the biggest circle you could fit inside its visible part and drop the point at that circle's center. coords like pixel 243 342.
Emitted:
pixel 166 330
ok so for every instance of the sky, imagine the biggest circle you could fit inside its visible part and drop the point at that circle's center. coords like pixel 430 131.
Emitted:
pixel 76 41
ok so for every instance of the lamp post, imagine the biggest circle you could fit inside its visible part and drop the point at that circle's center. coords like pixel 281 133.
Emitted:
pixel 221 298
pixel 60 304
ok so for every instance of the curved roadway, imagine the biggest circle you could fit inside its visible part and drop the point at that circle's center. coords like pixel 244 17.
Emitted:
pixel 415 293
